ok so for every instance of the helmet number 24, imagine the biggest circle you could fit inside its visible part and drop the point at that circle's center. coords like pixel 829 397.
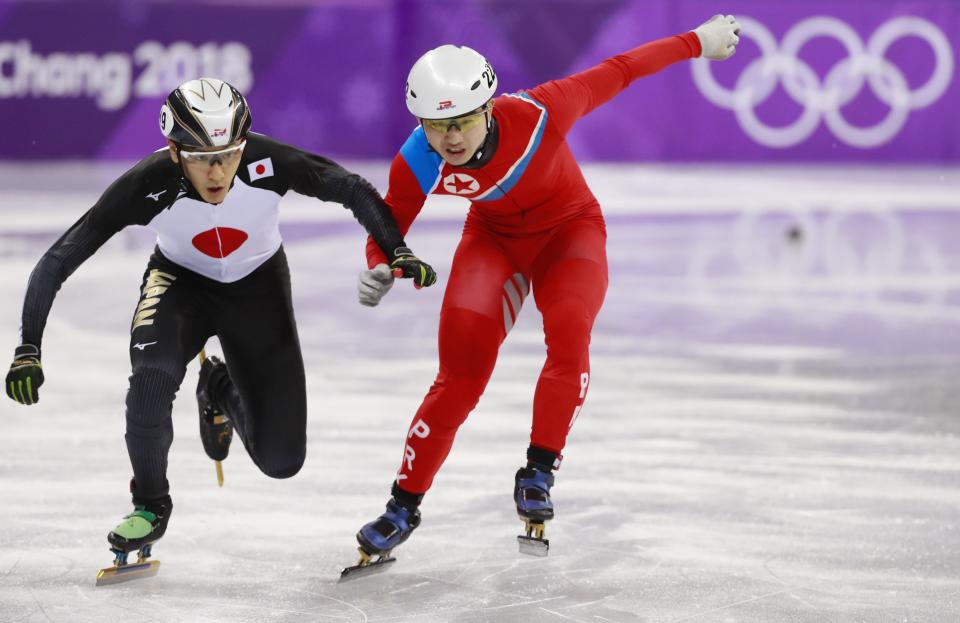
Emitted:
pixel 489 76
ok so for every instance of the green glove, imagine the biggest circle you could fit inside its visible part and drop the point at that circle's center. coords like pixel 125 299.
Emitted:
pixel 25 375
pixel 407 265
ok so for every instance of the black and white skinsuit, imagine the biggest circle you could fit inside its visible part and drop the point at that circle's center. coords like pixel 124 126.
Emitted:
pixel 217 270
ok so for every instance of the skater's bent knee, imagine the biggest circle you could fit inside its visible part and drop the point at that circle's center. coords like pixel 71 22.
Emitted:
pixel 282 468
pixel 283 471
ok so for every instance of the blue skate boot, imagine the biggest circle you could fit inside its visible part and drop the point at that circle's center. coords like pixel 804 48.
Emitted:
pixel 389 530
pixel 531 492
pixel 378 538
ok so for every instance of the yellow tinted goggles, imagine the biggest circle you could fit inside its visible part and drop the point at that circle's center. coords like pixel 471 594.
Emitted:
pixel 209 158
pixel 462 124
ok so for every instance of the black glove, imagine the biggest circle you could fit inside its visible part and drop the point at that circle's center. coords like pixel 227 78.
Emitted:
pixel 25 375
pixel 407 265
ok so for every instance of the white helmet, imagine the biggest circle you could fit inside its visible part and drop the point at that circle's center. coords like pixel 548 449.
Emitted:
pixel 449 81
pixel 206 112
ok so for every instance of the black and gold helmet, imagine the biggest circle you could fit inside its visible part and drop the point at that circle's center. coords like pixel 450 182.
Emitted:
pixel 206 112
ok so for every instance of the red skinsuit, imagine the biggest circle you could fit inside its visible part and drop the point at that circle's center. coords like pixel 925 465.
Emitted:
pixel 532 222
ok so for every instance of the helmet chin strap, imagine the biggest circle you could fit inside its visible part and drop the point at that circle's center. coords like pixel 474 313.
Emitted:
pixel 185 183
pixel 183 168
pixel 478 154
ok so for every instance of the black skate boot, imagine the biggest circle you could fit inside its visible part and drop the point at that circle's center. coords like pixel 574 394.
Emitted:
pixel 531 492
pixel 216 432
pixel 137 532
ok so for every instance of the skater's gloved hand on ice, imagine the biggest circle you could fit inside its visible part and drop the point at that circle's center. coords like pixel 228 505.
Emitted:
pixel 719 37
pixel 25 375
pixel 408 266
pixel 373 284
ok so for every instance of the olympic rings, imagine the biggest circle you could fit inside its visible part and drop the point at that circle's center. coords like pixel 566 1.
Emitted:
pixel 865 65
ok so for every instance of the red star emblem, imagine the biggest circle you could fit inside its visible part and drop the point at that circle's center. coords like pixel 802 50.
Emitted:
pixel 460 184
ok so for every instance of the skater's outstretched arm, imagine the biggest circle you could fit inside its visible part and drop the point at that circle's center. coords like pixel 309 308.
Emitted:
pixel 573 97
pixel 135 198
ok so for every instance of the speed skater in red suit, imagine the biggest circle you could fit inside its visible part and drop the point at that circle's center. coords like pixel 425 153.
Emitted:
pixel 533 225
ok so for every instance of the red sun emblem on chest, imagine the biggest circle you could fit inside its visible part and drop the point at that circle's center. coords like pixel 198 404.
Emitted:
pixel 460 184
pixel 219 242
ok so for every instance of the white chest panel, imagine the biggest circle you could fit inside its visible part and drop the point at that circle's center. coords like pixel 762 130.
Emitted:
pixel 224 242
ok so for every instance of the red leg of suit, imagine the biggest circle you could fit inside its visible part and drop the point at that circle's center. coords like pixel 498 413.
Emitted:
pixel 488 282
pixel 471 331
pixel 569 284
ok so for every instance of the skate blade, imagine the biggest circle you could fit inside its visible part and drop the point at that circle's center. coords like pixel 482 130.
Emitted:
pixel 532 543
pixel 125 573
pixel 533 546
pixel 367 566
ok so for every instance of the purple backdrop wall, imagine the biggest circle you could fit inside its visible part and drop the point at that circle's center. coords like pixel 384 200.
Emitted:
pixel 819 80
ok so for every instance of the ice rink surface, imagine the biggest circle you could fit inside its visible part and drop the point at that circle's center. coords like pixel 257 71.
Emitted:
pixel 771 433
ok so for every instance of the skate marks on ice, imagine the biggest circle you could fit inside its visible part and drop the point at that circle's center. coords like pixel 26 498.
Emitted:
pixel 749 495
pixel 400 596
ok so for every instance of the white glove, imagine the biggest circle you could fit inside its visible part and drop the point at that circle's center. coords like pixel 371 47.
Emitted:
pixel 719 37
pixel 373 284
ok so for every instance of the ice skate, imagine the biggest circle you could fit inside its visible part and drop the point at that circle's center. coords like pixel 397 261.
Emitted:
pixel 216 432
pixel 378 538
pixel 534 507
pixel 137 532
